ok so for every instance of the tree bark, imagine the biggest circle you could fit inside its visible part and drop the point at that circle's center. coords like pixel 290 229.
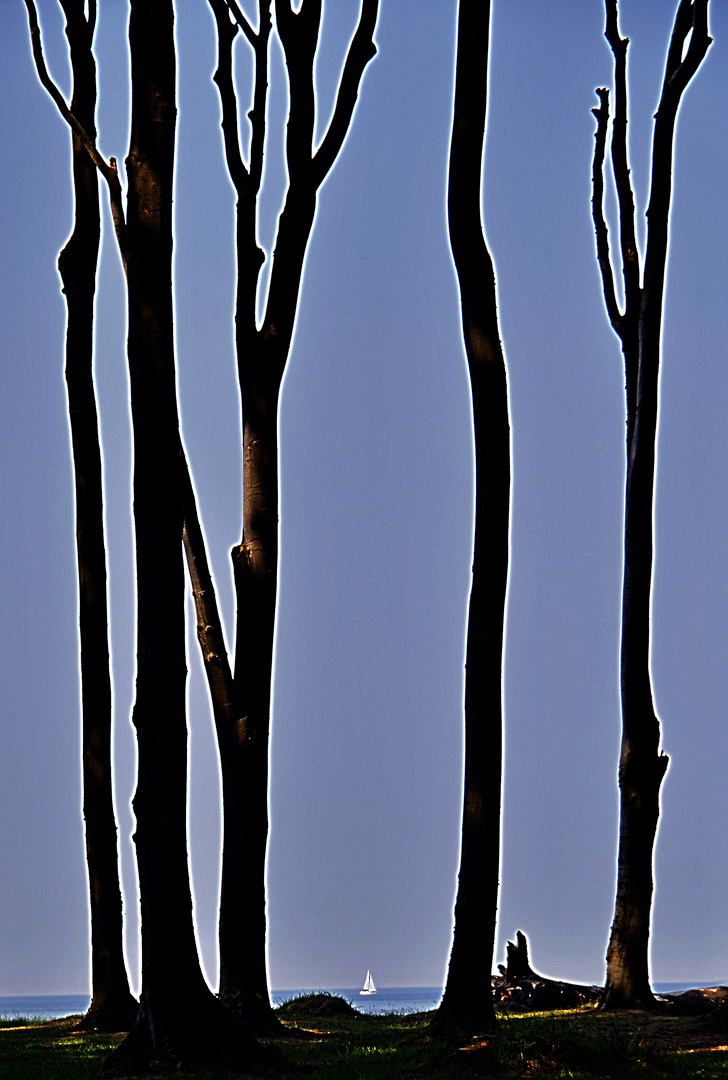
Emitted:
pixel 112 1006
pixel 642 766
pixel 178 1016
pixel 467 1004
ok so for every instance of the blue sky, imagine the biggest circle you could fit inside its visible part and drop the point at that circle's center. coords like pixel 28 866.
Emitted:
pixel 376 509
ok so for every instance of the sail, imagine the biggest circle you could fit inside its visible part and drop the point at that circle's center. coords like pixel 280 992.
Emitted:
pixel 369 987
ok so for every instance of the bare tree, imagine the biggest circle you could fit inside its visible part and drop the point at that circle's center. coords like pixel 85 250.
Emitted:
pixel 241 699
pixel 642 766
pixel 178 1017
pixel 468 1001
pixel 112 1006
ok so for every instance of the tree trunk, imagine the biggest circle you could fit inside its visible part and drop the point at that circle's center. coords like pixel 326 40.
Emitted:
pixel 244 762
pixel 178 1017
pixel 467 1004
pixel 112 1006
pixel 262 356
pixel 641 766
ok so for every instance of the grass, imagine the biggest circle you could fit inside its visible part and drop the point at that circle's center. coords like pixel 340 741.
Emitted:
pixel 582 1045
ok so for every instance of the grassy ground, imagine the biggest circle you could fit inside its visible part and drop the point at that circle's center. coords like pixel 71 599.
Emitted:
pixel 583 1045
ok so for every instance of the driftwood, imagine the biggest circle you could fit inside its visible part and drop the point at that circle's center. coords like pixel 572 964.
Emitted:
pixel 697 1002
pixel 521 989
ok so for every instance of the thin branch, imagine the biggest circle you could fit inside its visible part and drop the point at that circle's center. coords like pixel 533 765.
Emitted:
pixel 245 178
pixel 108 169
pixel 600 224
pixel 361 50
pixel 260 93
pixel 620 163
pixel 242 21
pixel 223 77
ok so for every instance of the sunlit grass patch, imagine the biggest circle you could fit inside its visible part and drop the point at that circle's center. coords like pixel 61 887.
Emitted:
pixel 50 1050
pixel 581 1044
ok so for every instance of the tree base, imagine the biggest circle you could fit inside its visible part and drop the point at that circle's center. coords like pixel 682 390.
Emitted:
pixel 203 1035
pixel 464 1013
pixel 110 1012
pixel 256 1013
pixel 613 999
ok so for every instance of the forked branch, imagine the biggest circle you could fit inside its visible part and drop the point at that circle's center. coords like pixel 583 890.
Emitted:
pixel 298 33
pixel 108 169
pixel 75 15
pixel 242 21
pixel 620 164
pixel 691 20
pixel 246 179
pixel 691 17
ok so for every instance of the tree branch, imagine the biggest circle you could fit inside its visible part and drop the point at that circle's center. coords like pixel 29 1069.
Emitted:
pixel 242 21
pixel 260 93
pixel 223 77
pixel 600 224
pixel 246 179
pixel 209 624
pixel 108 169
pixel 620 163
pixel 361 50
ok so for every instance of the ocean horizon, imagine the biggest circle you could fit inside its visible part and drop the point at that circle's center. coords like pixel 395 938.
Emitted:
pixel 388 999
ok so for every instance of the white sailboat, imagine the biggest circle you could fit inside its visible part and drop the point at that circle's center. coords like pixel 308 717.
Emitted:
pixel 369 987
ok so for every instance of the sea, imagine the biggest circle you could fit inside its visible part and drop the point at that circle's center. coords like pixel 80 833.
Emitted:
pixel 388 999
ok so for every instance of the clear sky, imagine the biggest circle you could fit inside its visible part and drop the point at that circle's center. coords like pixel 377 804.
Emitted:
pixel 376 513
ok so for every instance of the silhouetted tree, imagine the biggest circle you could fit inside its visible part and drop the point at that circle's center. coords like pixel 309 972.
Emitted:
pixel 112 1006
pixel 642 766
pixel 467 1004
pixel 178 1017
pixel 241 715
pixel 241 701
